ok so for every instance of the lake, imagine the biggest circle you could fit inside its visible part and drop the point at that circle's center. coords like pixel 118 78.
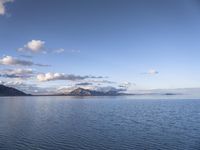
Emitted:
pixel 99 123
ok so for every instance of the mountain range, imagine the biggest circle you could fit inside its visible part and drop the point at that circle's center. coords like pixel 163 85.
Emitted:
pixel 9 91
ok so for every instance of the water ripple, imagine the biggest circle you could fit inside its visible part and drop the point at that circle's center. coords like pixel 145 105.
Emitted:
pixel 109 123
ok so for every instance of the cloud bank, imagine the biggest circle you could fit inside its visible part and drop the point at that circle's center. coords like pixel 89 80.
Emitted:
pixel 16 73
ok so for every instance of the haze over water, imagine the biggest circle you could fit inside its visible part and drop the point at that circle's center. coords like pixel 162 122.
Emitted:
pixel 100 123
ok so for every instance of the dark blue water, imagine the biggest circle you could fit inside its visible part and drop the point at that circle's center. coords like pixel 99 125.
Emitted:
pixel 99 123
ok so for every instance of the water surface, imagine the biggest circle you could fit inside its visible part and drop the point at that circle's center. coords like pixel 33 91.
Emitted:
pixel 99 123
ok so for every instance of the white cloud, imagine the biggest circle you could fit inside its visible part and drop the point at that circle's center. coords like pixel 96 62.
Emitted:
pixel 61 76
pixel 2 6
pixel 11 61
pixel 34 46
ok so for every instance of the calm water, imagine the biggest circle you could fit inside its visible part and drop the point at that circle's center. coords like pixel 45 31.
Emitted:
pixel 99 123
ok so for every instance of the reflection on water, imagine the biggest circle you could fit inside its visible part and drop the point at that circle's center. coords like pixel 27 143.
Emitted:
pixel 118 123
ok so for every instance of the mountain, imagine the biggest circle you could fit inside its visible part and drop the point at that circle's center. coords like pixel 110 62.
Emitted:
pixel 86 92
pixel 8 91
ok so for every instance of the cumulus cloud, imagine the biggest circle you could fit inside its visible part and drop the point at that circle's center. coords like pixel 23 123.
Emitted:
pixel 12 61
pixel 34 46
pixel 16 73
pixel 61 76
pixel 2 6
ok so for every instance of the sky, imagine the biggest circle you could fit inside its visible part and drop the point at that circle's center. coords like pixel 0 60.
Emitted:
pixel 57 45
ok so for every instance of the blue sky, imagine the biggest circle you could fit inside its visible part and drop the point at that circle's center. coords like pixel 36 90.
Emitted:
pixel 140 44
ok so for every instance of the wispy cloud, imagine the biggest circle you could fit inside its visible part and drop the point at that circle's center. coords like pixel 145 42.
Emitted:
pixel 61 76
pixel 58 51
pixel 91 84
pixel 62 50
pixel 2 6
pixel 151 72
pixel 73 51
pixel 84 84
pixel 26 56
pixel 41 65
pixel 101 81
pixel 12 61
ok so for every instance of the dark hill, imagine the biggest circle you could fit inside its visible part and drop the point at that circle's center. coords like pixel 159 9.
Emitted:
pixel 8 91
